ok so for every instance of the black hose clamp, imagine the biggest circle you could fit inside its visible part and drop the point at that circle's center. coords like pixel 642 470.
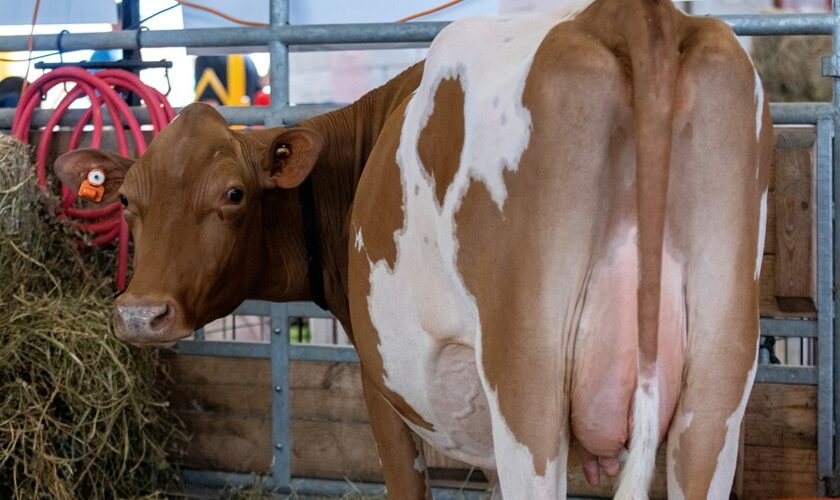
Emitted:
pixel 137 34
pixel 58 41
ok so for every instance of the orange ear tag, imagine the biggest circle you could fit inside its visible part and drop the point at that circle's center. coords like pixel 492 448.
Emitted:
pixel 93 188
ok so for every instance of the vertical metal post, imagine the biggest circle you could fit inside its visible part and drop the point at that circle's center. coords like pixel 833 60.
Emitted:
pixel 825 298
pixel 281 432
pixel 131 20
pixel 279 69
pixel 826 317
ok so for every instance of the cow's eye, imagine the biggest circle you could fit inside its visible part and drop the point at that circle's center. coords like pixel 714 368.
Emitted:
pixel 234 195
pixel 123 200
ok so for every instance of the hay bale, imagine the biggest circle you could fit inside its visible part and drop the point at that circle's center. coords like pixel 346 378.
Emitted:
pixel 790 67
pixel 81 413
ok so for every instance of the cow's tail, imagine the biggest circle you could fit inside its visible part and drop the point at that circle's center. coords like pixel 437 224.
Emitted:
pixel 650 35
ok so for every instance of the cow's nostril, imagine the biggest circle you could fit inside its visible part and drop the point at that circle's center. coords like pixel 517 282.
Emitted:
pixel 163 319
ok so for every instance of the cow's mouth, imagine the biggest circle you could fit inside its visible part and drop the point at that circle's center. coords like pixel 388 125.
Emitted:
pixel 154 345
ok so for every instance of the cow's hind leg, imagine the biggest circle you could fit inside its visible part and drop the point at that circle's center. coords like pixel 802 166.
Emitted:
pixel 530 436
pixel 718 184
pixel 522 362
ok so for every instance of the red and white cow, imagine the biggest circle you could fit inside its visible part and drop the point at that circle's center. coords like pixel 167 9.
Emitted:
pixel 547 235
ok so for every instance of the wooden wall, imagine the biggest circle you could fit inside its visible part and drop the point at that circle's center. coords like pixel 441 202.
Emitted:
pixel 225 402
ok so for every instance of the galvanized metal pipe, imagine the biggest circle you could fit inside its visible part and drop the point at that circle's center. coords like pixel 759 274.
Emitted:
pixel 772 24
pixel 800 113
pixel 780 24
pixel 281 419
pixel 828 433
pixel 825 296
pixel 281 466
pixel 310 34
pixel 238 115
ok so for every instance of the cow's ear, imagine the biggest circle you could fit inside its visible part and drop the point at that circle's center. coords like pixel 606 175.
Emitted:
pixel 80 171
pixel 291 157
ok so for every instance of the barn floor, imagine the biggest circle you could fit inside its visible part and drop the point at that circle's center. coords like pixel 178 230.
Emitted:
pixel 200 493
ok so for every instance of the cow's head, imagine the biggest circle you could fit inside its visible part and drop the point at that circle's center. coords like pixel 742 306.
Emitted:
pixel 195 203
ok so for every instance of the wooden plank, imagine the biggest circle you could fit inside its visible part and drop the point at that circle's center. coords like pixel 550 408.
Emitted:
pixel 320 390
pixel 782 460
pixel 213 370
pixel 787 139
pixel 779 473
pixel 227 442
pixel 782 416
pixel 763 485
pixel 222 399
pixel 327 391
pixel 337 450
pixel 795 250
pixel 770 224
pixel 768 305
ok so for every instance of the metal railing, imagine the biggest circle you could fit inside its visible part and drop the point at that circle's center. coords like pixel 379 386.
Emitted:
pixel 280 35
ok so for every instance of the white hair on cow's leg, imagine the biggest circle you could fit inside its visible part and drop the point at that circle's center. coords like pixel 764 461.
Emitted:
pixel 728 456
pixel 360 242
pixel 680 423
pixel 759 105
pixel 638 470
pixel 762 228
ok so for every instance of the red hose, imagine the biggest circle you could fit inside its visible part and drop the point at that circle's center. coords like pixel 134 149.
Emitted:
pixel 104 224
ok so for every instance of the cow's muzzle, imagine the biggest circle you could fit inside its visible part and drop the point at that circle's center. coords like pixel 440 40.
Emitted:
pixel 146 321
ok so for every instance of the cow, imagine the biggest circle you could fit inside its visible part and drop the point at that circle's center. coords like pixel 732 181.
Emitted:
pixel 544 239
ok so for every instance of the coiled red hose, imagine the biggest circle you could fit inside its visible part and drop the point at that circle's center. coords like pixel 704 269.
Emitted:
pixel 104 224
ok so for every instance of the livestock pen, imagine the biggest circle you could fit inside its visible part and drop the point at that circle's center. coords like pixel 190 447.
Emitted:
pixel 289 416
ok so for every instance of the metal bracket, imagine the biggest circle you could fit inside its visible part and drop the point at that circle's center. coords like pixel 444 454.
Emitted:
pixel 831 66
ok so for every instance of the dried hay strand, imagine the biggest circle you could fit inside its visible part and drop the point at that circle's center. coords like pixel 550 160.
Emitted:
pixel 790 67
pixel 81 414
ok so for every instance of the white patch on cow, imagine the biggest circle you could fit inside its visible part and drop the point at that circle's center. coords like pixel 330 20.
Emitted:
pixel 360 242
pixel 420 464
pixel 759 109
pixel 421 306
pixel 762 229
pixel 728 457
pixel 644 440
pixel 759 106
pixel 680 424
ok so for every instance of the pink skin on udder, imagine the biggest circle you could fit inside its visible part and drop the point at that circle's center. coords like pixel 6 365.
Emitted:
pixel 605 358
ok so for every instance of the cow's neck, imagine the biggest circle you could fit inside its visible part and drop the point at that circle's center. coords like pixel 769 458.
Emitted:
pixel 349 136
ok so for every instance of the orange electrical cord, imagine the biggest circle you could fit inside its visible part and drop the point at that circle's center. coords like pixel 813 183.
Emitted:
pixel 254 23
pixel 220 14
pixel 430 11
pixel 29 44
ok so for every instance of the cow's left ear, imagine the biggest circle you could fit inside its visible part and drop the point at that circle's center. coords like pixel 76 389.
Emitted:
pixel 92 174
pixel 291 157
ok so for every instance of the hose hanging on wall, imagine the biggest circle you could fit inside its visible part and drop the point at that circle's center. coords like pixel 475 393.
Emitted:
pixel 104 224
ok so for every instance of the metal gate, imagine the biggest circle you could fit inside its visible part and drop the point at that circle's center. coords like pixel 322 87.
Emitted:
pixel 280 35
